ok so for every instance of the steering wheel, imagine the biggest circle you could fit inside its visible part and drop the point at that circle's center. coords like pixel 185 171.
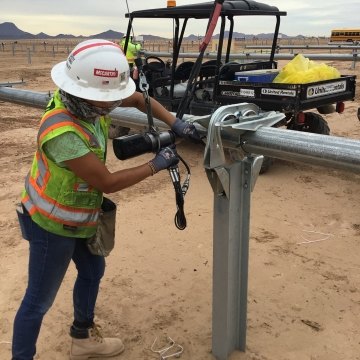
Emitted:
pixel 154 63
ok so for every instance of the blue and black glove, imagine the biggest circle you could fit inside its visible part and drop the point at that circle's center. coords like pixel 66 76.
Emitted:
pixel 186 130
pixel 165 158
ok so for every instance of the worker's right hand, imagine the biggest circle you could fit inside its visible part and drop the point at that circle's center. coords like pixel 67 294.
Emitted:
pixel 165 158
pixel 186 130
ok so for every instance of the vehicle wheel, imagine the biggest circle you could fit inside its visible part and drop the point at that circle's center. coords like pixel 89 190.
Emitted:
pixel 117 131
pixel 315 123
pixel 326 109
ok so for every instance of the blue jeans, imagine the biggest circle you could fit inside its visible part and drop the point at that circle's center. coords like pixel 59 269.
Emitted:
pixel 50 256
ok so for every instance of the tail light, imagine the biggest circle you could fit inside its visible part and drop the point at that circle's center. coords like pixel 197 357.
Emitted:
pixel 300 118
pixel 340 107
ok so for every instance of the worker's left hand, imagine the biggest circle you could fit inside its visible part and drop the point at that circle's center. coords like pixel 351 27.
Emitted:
pixel 165 158
pixel 186 130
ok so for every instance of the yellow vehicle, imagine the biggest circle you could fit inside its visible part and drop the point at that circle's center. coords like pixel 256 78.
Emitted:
pixel 345 35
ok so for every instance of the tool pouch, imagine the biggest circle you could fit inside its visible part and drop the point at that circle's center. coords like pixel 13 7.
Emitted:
pixel 104 239
pixel 25 221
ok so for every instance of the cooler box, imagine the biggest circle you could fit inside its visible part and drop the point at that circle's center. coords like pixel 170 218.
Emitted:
pixel 256 76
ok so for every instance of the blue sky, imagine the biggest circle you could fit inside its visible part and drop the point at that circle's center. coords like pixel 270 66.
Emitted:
pixel 306 17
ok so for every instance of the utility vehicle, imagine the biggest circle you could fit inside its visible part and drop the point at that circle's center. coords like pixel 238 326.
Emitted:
pixel 216 83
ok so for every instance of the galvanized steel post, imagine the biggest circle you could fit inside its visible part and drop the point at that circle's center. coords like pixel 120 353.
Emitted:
pixel 243 130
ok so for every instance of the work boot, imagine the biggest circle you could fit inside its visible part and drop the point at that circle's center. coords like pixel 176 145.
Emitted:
pixel 89 343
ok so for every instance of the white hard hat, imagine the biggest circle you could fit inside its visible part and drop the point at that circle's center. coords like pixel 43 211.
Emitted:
pixel 95 70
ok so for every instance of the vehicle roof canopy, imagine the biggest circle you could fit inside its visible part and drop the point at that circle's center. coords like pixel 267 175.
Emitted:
pixel 203 10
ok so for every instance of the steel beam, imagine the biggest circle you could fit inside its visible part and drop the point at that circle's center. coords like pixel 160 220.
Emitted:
pixel 315 47
pixel 127 117
pixel 261 56
pixel 338 152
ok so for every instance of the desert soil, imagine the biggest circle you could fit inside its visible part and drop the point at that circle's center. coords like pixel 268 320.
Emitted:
pixel 304 271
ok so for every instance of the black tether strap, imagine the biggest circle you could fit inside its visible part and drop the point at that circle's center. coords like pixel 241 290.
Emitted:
pixel 180 191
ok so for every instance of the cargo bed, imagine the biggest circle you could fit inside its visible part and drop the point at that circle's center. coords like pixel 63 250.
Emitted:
pixel 287 97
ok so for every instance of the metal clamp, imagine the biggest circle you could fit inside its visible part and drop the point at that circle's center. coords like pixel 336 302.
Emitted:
pixel 144 87
pixel 234 121
pixel 143 84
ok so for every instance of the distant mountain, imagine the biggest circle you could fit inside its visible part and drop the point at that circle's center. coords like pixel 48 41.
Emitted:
pixel 151 37
pixel 9 31
pixel 192 37
pixel 110 34
pixel 61 36
pixel 237 35
pixel 38 36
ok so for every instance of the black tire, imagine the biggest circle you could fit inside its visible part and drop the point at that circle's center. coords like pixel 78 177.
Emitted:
pixel 315 123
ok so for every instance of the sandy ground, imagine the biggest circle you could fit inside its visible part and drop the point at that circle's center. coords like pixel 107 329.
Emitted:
pixel 304 298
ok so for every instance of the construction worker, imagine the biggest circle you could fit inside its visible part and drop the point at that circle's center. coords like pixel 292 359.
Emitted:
pixel 63 195
pixel 131 51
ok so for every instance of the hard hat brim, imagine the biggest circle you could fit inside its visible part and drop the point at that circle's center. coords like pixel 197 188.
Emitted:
pixel 64 82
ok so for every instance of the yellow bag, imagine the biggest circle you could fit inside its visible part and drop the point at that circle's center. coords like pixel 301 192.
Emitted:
pixel 301 70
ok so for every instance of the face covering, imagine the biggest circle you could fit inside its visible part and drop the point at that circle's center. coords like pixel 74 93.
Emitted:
pixel 101 110
pixel 83 110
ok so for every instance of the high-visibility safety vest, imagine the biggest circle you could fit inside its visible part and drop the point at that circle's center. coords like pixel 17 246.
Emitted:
pixel 56 199
pixel 131 51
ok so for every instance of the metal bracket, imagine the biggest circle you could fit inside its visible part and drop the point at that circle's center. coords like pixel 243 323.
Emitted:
pixel 234 120
pixel 165 353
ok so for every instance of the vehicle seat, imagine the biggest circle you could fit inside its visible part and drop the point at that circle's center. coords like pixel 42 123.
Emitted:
pixel 183 70
pixel 182 73
pixel 208 69
pixel 206 80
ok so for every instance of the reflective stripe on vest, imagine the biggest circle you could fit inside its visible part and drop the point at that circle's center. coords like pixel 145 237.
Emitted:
pixel 56 122
pixel 61 118
pixel 59 213
pixel 55 197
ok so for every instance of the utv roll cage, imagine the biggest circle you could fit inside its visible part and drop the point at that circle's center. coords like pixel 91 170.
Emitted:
pixel 181 15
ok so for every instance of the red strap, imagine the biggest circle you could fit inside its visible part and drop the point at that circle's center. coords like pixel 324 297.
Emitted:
pixel 211 27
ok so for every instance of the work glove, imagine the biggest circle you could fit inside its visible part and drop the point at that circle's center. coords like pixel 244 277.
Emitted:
pixel 165 158
pixel 186 130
